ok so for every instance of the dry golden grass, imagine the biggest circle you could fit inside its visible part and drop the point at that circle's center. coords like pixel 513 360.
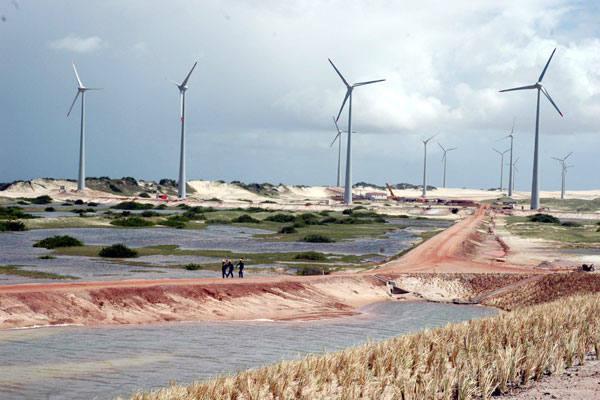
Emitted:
pixel 461 361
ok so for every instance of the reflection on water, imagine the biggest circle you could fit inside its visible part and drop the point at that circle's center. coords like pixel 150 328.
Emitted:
pixel 78 362
pixel 16 249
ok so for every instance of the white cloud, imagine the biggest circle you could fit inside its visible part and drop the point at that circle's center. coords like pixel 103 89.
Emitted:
pixel 78 44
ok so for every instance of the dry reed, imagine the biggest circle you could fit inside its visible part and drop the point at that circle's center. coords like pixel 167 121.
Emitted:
pixel 470 360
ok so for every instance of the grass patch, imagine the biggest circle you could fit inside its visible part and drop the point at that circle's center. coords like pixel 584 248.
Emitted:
pixel 14 213
pixel 132 205
pixel 245 219
pixel 543 218
pixel 46 257
pixel 54 242
pixel 312 270
pixel 132 222
pixel 585 234
pixel 17 271
pixel 310 256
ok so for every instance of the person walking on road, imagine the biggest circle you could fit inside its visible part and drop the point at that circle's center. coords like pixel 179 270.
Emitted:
pixel 229 266
pixel 240 266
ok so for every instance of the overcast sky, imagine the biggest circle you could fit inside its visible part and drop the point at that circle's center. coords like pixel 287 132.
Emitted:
pixel 261 99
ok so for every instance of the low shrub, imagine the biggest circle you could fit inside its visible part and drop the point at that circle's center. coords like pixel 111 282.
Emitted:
pixel 175 221
pixel 46 257
pixel 160 207
pixel 149 214
pixel 132 205
pixel 218 221
pixel 79 202
pixel 309 270
pixel 49 209
pixel 543 218
pixel 54 242
pixel 308 219
pixel 12 226
pixel 132 222
pixel 316 238
pixel 192 267
pixel 347 211
pixel 246 219
pixel 191 215
pixel 330 220
pixel 324 213
pixel 280 217
pixel 118 251
pixel 14 213
pixel 92 204
pixel 287 230
pixel 310 256
pixel 570 224
pixel 44 199
pixel 144 195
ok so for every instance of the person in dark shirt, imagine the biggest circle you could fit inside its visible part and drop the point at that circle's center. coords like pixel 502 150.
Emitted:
pixel 240 266
pixel 229 268
pixel 224 268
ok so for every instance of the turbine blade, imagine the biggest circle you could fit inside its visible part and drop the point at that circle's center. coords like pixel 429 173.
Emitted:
pixel 442 147
pixel 189 74
pixel 557 159
pixel 336 125
pixel 452 148
pixel 339 73
pixel 73 103
pixel 512 130
pixel 368 82
pixel 77 76
pixel 546 67
pixel 551 101
pixel 519 88
pixel 427 141
pixel 496 151
pixel 93 88
pixel 568 155
pixel 343 104
pixel 335 138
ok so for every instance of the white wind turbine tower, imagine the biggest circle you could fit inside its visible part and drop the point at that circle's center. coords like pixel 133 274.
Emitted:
pixel 181 191
pixel 81 89
pixel 425 142
pixel 349 89
pixel 510 173
pixel 338 137
pixel 563 172
pixel 502 153
pixel 535 186
pixel 444 161
pixel 513 173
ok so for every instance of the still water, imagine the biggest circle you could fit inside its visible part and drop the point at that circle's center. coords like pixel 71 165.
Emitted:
pixel 16 249
pixel 102 363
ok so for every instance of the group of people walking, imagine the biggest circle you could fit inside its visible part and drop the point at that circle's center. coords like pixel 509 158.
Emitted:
pixel 227 268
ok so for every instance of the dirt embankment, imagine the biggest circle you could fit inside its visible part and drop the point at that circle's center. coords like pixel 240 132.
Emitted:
pixel 134 302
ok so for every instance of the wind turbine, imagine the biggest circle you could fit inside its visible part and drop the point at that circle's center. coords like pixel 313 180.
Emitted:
pixel 512 137
pixel 338 137
pixel 535 187
pixel 425 142
pixel 181 191
pixel 81 89
pixel 349 89
pixel 502 153
pixel 513 172
pixel 563 168
pixel 444 160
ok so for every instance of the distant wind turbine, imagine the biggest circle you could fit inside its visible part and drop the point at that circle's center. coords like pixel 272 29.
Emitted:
pixel 501 153
pixel 81 89
pixel 181 191
pixel 444 161
pixel 349 89
pixel 513 172
pixel 535 187
pixel 425 142
pixel 563 173
pixel 510 173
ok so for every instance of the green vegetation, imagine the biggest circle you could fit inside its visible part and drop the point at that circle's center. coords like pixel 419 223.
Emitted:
pixel 149 214
pixel 312 270
pixel 118 251
pixel 544 218
pixel 49 209
pixel 41 200
pixel 585 234
pixel 310 256
pixel 192 267
pixel 16 270
pixel 279 217
pixel 12 226
pixel 54 242
pixel 14 213
pixel 132 222
pixel 286 230
pixel 245 219
pixel 132 205
pixel 316 238
pixel 175 221
pixel 46 257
